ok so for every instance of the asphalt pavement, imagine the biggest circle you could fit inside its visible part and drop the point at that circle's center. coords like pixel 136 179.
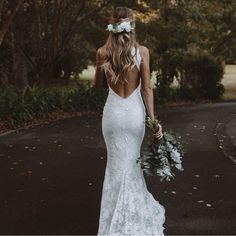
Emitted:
pixel 52 174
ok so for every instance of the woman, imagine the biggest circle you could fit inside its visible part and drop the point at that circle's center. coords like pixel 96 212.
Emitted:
pixel 127 207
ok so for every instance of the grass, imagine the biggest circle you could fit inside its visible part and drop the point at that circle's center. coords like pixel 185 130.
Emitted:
pixel 229 80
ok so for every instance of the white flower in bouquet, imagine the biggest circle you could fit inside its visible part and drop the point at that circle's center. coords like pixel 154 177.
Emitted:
pixel 179 166
pixel 175 155
pixel 166 171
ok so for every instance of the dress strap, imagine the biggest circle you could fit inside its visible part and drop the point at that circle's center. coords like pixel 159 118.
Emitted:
pixel 137 57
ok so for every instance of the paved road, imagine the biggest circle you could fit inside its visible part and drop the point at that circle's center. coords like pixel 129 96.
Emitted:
pixel 52 175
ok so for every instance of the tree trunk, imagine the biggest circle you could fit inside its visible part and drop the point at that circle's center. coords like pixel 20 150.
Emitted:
pixel 20 70
pixel 8 22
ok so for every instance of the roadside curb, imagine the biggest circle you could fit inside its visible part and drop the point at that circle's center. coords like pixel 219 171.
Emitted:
pixel 231 129
pixel 225 133
pixel 45 122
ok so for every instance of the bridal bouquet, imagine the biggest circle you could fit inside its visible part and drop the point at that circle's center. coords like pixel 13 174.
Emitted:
pixel 163 156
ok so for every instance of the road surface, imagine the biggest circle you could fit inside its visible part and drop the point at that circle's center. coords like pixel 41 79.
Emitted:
pixel 51 175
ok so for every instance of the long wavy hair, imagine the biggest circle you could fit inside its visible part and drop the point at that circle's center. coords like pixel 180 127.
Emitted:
pixel 116 55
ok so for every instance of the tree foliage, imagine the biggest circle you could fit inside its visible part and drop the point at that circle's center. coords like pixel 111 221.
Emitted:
pixel 184 28
pixel 43 41
pixel 48 36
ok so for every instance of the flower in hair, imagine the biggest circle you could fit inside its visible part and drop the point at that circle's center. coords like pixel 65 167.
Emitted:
pixel 120 27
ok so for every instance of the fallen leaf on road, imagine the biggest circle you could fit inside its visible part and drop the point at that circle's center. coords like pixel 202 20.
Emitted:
pixel 200 201
pixel 208 205
pixel 22 173
pixel 29 172
pixel 174 192
pixel 20 190
pixel 217 176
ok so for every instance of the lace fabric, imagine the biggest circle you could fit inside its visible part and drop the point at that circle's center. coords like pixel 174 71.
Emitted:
pixel 127 207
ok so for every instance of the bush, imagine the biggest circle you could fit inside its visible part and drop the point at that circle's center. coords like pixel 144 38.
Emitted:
pixel 19 105
pixel 173 95
pixel 203 75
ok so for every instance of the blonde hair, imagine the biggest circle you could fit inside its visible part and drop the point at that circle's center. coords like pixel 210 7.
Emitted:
pixel 116 55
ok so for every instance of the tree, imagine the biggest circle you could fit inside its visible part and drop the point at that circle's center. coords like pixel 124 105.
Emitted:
pixel 184 27
pixel 47 34
pixel 9 19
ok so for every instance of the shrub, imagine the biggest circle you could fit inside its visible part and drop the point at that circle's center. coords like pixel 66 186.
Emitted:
pixel 19 105
pixel 203 75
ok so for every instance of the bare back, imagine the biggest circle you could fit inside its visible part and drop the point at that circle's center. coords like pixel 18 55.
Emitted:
pixel 133 77
pixel 126 89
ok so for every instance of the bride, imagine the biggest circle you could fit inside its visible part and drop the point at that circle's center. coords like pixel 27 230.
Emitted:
pixel 127 207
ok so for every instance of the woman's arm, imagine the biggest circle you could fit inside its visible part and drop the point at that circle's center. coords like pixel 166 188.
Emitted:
pixel 146 86
pixel 99 74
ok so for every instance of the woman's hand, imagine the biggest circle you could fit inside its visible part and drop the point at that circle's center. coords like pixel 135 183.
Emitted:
pixel 159 133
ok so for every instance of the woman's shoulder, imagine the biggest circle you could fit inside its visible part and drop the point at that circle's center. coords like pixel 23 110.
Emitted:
pixel 144 51
pixel 100 52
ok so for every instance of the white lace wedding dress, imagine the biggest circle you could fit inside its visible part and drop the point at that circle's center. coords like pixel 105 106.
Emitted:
pixel 127 207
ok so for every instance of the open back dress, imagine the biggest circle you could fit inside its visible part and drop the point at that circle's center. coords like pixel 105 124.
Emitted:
pixel 127 207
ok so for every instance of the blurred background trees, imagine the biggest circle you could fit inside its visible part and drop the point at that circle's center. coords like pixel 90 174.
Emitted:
pixel 183 30
pixel 42 40
pixel 46 38
pixel 48 42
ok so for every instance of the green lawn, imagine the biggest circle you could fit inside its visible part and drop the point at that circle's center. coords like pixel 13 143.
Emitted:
pixel 229 80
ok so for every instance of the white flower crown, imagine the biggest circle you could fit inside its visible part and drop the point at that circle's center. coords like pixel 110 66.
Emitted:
pixel 120 27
